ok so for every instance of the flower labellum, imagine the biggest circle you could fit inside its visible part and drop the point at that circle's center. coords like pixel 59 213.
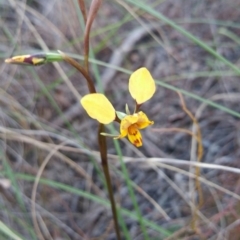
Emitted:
pixel 130 126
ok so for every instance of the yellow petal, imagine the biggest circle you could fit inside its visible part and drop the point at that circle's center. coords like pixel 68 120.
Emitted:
pixel 143 120
pixel 98 107
pixel 134 136
pixel 126 122
pixel 141 85
pixel 129 127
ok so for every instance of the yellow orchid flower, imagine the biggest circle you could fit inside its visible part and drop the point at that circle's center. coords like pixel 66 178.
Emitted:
pixel 129 127
pixel 141 88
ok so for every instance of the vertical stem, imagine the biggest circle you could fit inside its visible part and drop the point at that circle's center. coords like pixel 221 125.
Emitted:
pixel 83 9
pixel 103 151
pixel 95 5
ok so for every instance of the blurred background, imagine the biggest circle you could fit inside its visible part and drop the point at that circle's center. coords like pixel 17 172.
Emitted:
pixel 45 133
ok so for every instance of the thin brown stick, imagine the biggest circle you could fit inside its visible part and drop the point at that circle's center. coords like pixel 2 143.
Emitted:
pixel 199 158
pixel 182 130
pixel 199 135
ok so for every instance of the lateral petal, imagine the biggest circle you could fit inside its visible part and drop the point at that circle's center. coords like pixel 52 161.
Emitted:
pixel 143 121
pixel 98 107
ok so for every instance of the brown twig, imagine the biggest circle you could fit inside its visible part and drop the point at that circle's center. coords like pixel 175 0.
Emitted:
pixel 182 130
pixel 199 157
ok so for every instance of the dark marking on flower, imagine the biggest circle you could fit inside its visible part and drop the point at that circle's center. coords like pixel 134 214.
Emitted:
pixel 133 130
pixel 138 142
pixel 36 59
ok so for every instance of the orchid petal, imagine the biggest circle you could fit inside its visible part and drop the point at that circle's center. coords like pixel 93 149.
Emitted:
pixel 141 85
pixel 98 107
pixel 143 121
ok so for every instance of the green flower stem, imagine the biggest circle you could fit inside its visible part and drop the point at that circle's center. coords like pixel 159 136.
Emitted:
pixel 103 151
